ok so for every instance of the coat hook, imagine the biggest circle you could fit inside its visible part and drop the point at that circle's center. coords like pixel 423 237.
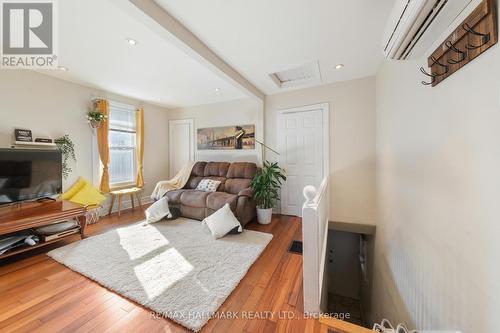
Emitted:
pixel 446 67
pixel 485 37
pixel 433 76
pixel 454 49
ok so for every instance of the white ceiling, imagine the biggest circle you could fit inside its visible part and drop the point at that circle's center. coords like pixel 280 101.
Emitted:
pixel 260 37
pixel 92 44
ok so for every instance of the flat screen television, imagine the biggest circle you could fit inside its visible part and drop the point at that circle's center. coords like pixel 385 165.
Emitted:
pixel 29 174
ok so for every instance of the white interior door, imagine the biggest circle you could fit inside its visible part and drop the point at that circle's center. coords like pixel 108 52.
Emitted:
pixel 181 144
pixel 302 133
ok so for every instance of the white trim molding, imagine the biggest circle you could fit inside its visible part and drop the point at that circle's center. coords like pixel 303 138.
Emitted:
pixel 171 143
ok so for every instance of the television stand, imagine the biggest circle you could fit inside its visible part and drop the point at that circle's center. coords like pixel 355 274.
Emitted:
pixel 38 214
pixel 45 199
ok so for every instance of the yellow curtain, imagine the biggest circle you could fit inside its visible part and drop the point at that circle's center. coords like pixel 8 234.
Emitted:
pixel 103 145
pixel 140 146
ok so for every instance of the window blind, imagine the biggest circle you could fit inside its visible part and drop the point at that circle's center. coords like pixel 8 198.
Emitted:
pixel 122 144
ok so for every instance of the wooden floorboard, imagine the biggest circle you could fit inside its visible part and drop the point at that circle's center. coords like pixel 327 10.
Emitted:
pixel 40 295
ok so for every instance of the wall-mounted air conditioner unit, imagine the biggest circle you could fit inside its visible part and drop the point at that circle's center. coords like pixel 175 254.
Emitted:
pixel 415 24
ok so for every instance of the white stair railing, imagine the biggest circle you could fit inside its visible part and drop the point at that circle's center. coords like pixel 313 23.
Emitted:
pixel 314 238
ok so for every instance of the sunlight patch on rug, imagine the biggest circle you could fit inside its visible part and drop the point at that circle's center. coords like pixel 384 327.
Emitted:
pixel 153 276
pixel 139 247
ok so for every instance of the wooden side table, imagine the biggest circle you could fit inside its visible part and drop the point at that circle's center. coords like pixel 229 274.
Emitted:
pixel 118 194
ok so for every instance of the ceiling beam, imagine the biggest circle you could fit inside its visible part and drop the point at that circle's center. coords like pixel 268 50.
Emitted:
pixel 198 48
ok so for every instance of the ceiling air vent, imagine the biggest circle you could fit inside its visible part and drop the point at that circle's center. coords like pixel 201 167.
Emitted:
pixel 298 76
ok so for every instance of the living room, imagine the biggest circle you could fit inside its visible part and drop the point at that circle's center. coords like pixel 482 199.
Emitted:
pixel 249 166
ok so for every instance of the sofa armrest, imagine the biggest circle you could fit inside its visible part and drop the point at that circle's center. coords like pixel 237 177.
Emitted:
pixel 245 209
pixel 246 192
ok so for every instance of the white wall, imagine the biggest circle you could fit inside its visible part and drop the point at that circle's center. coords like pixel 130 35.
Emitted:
pixel 438 176
pixel 352 142
pixel 54 107
pixel 238 112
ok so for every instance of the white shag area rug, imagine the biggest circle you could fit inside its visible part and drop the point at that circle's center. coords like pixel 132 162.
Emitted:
pixel 174 268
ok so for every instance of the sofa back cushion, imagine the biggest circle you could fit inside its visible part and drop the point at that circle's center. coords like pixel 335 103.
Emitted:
pixel 199 169
pixel 239 176
pixel 197 174
pixel 218 169
pixel 193 182
pixel 235 185
pixel 234 177
pixel 244 170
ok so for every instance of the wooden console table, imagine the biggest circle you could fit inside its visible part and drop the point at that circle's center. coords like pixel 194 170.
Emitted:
pixel 33 215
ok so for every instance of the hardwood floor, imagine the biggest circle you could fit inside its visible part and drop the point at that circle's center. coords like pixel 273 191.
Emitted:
pixel 40 295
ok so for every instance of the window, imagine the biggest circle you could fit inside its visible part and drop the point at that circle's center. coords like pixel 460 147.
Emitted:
pixel 122 145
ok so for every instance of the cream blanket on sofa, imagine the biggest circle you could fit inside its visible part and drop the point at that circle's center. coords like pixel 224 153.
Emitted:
pixel 178 182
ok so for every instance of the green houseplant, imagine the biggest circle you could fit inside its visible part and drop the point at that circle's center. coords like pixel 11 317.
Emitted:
pixel 95 117
pixel 266 186
pixel 67 149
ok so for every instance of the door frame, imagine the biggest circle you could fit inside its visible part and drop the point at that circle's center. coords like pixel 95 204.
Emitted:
pixel 171 123
pixel 325 111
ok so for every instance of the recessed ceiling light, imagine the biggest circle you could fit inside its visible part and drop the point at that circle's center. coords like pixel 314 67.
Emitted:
pixel 217 90
pixel 339 66
pixel 131 41
pixel 65 69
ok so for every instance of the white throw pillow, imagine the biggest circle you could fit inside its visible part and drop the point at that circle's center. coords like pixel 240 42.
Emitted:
pixel 208 185
pixel 158 210
pixel 222 222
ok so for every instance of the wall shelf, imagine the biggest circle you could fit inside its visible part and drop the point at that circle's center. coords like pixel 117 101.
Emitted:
pixel 33 144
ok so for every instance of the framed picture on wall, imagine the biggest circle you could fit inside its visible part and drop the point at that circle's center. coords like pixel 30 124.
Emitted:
pixel 23 135
pixel 226 138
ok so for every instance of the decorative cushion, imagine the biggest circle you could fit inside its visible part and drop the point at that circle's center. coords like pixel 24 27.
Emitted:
pixel 158 211
pixel 222 222
pixel 208 185
pixel 88 195
pixel 80 183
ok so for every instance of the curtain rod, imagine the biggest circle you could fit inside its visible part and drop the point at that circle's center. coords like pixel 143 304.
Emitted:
pixel 94 98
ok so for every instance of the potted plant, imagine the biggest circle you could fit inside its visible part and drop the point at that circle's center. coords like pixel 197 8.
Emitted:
pixel 67 148
pixel 94 118
pixel 266 186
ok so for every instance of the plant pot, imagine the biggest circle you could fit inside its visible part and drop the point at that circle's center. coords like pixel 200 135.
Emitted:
pixel 264 215
pixel 95 124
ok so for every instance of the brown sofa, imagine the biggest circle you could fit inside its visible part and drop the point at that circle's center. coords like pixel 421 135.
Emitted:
pixel 234 189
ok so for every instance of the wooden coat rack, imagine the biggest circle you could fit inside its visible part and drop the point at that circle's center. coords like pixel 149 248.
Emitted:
pixel 476 34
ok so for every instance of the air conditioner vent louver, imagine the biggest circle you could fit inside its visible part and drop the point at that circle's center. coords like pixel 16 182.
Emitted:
pixel 414 25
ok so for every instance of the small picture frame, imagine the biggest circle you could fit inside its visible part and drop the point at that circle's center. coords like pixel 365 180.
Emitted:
pixel 23 135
